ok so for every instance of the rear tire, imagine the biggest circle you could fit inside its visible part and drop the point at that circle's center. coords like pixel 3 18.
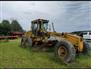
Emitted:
pixel 86 48
pixel 68 53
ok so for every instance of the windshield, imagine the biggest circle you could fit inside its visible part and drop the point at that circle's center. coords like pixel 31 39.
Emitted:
pixel 45 26
pixel 42 26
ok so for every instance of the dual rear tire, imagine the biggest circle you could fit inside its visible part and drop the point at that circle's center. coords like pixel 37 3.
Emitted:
pixel 66 52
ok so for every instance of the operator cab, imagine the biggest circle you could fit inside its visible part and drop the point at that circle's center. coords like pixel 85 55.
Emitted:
pixel 39 27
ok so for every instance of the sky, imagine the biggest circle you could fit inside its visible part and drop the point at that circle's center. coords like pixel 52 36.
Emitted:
pixel 67 16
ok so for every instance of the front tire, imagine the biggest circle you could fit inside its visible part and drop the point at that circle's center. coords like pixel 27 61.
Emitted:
pixel 65 51
pixel 26 42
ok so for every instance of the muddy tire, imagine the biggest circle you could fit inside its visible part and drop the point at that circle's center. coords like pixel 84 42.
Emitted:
pixel 65 51
pixel 86 48
pixel 26 42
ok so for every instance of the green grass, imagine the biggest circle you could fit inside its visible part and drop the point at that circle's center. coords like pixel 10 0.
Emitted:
pixel 11 55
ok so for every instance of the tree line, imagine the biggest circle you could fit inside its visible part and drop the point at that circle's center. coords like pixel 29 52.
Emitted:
pixel 6 27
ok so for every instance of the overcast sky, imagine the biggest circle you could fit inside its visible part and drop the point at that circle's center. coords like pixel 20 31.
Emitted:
pixel 67 16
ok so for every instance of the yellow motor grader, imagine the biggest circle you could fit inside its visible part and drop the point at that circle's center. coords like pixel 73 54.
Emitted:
pixel 65 45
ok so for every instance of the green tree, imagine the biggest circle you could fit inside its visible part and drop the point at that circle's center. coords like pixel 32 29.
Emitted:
pixel 15 26
pixel 0 29
pixel 5 27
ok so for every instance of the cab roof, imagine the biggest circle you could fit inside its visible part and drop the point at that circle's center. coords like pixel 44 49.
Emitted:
pixel 37 21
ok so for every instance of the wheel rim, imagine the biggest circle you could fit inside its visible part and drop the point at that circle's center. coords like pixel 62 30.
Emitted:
pixel 62 52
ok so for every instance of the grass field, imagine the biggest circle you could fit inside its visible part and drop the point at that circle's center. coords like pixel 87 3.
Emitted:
pixel 11 55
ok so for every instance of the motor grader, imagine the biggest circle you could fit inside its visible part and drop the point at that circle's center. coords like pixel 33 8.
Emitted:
pixel 65 45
